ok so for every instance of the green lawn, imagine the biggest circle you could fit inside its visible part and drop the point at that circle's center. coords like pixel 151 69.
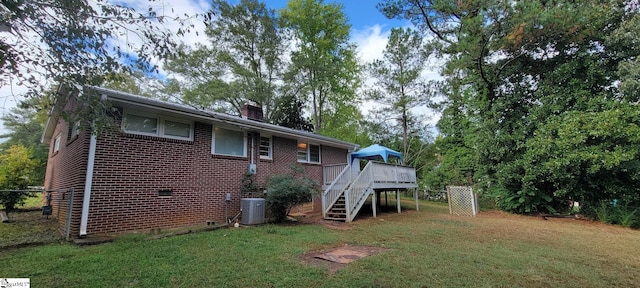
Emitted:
pixel 428 248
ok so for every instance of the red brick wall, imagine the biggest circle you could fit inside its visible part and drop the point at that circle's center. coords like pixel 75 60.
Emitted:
pixel 66 169
pixel 131 169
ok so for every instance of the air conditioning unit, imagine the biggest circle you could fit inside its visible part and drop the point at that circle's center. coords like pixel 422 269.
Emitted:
pixel 252 211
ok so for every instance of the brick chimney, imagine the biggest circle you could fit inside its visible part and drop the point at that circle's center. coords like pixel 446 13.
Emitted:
pixel 252 112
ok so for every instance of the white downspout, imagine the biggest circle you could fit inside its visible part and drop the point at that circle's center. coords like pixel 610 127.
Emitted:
pixel 87 185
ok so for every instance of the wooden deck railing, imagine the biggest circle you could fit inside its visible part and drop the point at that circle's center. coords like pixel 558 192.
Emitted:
pixel 335 189
pixel 331 172
pixel 393 173
pixel 356 189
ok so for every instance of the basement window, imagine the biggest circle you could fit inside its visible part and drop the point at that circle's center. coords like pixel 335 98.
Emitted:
pixel 165 193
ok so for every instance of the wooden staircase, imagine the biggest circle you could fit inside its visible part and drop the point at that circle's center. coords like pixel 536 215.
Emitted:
pixel 338 211
pixel 347 193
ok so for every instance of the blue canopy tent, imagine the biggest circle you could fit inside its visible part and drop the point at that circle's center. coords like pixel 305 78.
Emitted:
pixel 375 152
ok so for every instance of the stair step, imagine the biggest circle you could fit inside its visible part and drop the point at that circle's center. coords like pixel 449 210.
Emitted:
pixel 338 209
pixel 336 219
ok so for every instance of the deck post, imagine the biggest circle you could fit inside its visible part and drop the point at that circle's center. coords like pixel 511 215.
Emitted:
pixel 386 198
pixel 373 203
pixel 415 194
pixel 398 199
pixel 324 207
pixel 347 206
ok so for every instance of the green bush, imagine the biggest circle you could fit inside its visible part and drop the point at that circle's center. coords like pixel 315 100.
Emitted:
pixel 288 190
pixel 626 216
pixel 17 170
pixel 605 213
pixel 608 212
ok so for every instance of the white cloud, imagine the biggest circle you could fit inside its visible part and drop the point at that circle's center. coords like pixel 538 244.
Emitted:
pixel 371 42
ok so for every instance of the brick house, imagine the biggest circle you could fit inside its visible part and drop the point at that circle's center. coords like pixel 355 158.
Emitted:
pixel 170 165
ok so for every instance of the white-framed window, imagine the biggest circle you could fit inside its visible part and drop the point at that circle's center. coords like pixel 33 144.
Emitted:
pixel 266 147
pixel 229 142
pixel 75 129
pixel 56 143
pixel 308 152
pixel 176 129
pixel 157 126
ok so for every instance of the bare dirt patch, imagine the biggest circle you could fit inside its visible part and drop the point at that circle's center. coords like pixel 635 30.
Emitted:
pixel 316 218
pixel 338 258
pixel 27 228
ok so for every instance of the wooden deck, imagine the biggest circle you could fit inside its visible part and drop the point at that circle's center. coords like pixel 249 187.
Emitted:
pixel 345 192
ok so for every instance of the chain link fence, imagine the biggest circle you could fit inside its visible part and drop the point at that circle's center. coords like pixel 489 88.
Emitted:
pixel 57 203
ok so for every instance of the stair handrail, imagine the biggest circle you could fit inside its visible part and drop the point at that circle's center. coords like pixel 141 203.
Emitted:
pixel 358 191
pixel 333 192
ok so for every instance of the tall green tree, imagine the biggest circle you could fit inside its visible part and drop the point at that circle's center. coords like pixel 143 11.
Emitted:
pixel 398 86
pixel 17 170
pixel 25 124
pixel 242 63
pixel 290 114
pixel 324 69
pixel 519 66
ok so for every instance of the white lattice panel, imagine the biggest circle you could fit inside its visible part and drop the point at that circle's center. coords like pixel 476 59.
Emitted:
pixel 462 201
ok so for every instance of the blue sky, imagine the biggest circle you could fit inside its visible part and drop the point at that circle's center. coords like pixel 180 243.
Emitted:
pixel 362 14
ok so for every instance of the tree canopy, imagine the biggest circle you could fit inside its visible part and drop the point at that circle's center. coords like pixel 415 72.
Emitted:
pixel 516 71
pixel 323 67
pixel 241 64
pixel 50 42
pixel 399 86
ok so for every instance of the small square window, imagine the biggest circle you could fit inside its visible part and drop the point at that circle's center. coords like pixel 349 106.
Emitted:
pixel 75 129
pixel 308 153
pixel 265 147
pixel 56 143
